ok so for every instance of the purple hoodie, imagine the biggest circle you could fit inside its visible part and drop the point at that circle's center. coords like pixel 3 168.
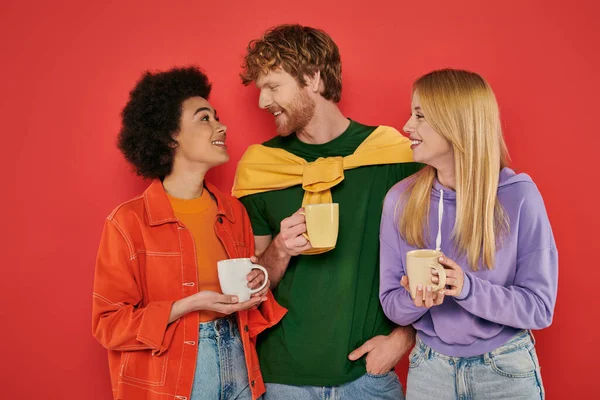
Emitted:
pixel 518 293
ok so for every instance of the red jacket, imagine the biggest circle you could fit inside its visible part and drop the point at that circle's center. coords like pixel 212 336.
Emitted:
pixel 145 263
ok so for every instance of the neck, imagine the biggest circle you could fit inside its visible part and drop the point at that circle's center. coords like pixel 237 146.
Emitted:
pixel 327 124
pixel 447 177
pixel 185 181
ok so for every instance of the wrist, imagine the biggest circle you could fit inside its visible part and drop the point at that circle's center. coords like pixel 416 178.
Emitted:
pixel 404 333
pixel 179 309
pixel 279 247
pixel 466 288
pixel 188 304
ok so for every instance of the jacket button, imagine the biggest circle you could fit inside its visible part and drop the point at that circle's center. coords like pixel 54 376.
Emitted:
pixel 245 328
pixel 252 383
pixel 220 220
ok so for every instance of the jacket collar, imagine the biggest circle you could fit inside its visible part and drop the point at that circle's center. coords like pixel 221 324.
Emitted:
pixel 159 207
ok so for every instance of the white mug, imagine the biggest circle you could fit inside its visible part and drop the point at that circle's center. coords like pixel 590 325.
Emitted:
pixel 232 277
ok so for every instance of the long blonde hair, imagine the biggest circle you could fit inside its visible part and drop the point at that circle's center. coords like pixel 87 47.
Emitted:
pixel 461 107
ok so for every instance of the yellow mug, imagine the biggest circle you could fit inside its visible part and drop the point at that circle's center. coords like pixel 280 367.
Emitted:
pixel 322 223
pixel 419 264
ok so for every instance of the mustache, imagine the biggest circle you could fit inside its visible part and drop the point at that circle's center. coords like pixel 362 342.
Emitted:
pixel 273 110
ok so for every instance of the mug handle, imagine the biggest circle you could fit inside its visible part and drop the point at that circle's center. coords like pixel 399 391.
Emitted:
pixel 256 266
pixel 304 233
pixel 441 275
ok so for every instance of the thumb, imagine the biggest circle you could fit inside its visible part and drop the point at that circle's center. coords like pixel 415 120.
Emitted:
pixel 361 351
pixel 228 299
pixel 404 282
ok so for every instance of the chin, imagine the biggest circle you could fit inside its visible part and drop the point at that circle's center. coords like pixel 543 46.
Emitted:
pixel 224 159
pixel 418 157
pixel 220 161
pixel 284 132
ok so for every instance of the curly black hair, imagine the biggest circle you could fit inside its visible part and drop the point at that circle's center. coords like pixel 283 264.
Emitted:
pixel 152 115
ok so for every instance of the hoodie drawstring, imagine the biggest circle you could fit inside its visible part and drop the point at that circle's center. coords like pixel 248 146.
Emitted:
pixel 438 239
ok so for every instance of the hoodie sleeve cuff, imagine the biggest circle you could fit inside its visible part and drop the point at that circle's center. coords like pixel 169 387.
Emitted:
pixel 466 289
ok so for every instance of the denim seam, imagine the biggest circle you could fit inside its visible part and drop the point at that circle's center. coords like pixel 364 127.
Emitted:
pixel 379 376
pixel 509 375
pixel 538 378
pixel 512 349
pixel 419 357
pixel 523 342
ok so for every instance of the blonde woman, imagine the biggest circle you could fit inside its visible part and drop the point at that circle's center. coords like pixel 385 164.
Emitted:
pixel 501 262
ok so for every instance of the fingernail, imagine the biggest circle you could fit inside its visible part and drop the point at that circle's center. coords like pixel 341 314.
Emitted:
pixel 441 258
pixel 235 299
pixel 429 288
pixel 442 292
pixel 420 287
pixel 434 272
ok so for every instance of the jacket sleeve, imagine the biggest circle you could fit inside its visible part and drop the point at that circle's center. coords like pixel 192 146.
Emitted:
pixel 120 320
pixel 528 303
pixel 396 301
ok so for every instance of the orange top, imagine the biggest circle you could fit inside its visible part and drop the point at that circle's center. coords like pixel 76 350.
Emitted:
pixel 199 216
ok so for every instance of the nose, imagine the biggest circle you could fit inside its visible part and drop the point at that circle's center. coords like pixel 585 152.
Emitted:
pixel 264 99
pixel 409 126
pixel 221 128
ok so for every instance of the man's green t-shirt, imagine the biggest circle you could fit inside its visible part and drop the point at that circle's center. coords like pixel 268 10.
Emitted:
pixel 332 298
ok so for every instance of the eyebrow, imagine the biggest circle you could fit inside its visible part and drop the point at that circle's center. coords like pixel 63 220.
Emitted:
pixel 417 107
pixel 207 109
pixel 267 81
pixel 204 109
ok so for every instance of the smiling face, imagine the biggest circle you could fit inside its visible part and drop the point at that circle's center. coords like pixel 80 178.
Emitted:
pixel 429 147
pixel 201 137
pixel 291 105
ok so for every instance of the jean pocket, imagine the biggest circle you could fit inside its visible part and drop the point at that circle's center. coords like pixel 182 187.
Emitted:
pixel 379 376
pixel 417 354
pixel 519 363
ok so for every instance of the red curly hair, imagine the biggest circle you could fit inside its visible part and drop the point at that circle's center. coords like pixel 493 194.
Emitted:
pixel 300 51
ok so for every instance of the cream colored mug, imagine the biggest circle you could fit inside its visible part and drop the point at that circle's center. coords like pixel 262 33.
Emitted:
pixel 419 264
pixel 322 223
pixel 232 277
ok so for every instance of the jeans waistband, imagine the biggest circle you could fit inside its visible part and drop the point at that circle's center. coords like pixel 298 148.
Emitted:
pixel 225 327
pixel 521 339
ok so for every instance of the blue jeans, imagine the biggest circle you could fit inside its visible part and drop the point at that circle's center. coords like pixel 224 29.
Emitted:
pixel 512 371
pixel 380 387
pixel 221 371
